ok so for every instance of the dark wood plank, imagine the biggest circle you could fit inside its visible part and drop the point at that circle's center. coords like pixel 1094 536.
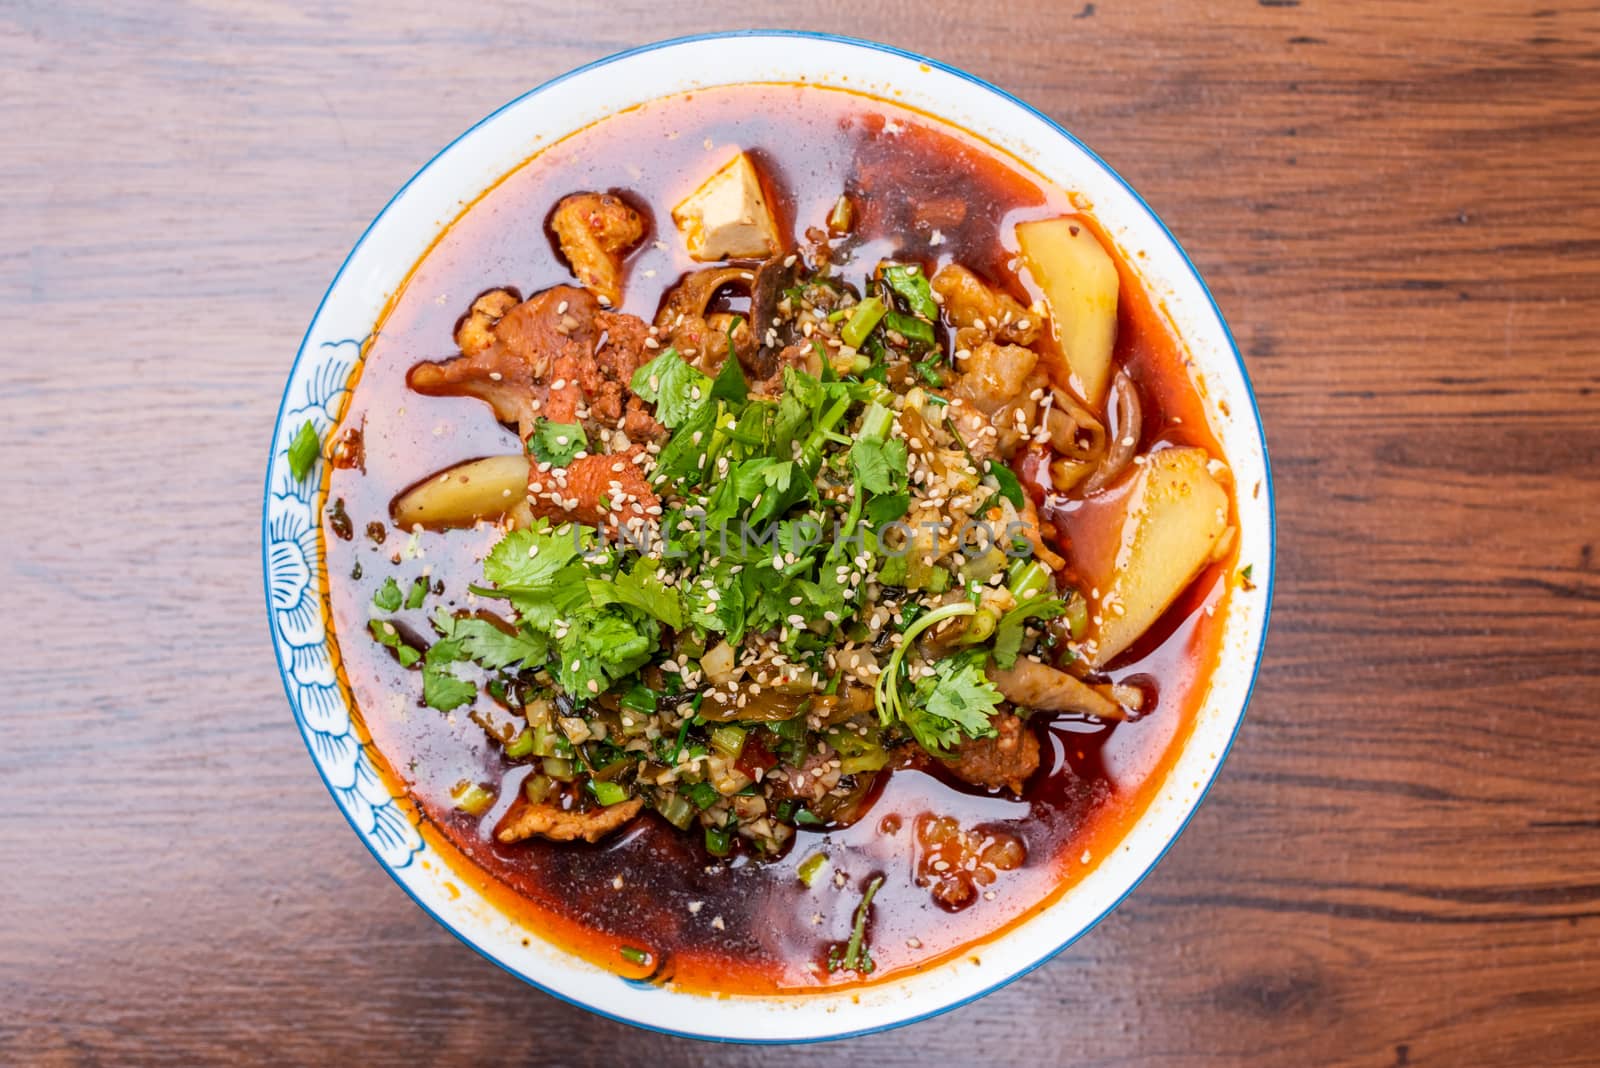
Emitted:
pixel 1398 207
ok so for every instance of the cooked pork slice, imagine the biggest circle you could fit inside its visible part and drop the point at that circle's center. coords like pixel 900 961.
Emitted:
pixel 607 491
pixel 556 355
pixel 995 375
pixel 560 825
pixel 971 302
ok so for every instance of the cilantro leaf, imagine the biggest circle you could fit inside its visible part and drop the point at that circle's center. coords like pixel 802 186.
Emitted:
pixel 730 384
pixel 531 557
pixel 683 458
pixel 385 634
pixel 958 699
pixel 879 466
pixel 538 571
pixel 792 414
pixel 557 444
pixel 639 588
pixel 303 451
pixel 1008 632
pixel 757 489
pixel 418 591
pixel 489 645
pixel 965 697
pixel 715 601
pixel 542 607
pixel 601 649
pixel 388 596
pixel 678 391
pixel 1010 488
pixel 442 689
pixel 754 428
pixel 886 508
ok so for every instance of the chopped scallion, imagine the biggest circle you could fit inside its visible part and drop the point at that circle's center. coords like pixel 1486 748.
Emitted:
pixel 471 798
pixel 676 810
pixel 811 867
pixel 719 843
pixel 1027 578
pixel 608 793
pixel 521 745
pixel 862 320
pixel 729 741
pixel 303 451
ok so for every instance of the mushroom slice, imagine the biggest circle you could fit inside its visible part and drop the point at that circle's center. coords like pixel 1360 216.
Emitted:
pixel 1029 684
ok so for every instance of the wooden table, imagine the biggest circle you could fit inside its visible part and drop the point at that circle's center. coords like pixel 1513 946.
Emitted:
pixel 1397 204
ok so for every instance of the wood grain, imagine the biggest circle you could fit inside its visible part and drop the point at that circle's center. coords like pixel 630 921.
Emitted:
pixel 1398 207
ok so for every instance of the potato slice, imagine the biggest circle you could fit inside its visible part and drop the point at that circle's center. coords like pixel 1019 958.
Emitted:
pixel 728 216
pixel 1142 542
pixel 492 488
pixel 1079 280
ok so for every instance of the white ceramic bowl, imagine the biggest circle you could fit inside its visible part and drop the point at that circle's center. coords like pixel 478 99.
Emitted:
pixel 292 552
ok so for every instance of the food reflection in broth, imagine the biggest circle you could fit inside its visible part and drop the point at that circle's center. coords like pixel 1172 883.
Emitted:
pixel 885 753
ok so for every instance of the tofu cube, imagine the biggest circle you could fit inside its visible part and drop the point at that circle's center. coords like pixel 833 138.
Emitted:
pixel 728 216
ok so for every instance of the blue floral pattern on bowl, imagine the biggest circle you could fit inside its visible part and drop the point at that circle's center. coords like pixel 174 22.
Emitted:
pixel 293 557
pixel 377 268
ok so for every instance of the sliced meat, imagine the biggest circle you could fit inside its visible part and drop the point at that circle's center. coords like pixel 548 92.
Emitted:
pixel 530 346
pixel 626 345
pixel 606 491
pixel 995 375
pixel 556 355
pixel 595 231
pixel 1007 759
pixel 811 780
pixel 971 302
pixel 560 825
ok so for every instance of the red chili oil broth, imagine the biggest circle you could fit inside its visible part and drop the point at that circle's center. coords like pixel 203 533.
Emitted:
pixel 923 190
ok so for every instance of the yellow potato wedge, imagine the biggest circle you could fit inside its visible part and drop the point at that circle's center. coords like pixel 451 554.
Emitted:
pixel 1144 543
pixel 1079 280
pixel 492 488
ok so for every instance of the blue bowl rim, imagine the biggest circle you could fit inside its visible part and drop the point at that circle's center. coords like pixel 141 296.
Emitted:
pixel 1272 524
